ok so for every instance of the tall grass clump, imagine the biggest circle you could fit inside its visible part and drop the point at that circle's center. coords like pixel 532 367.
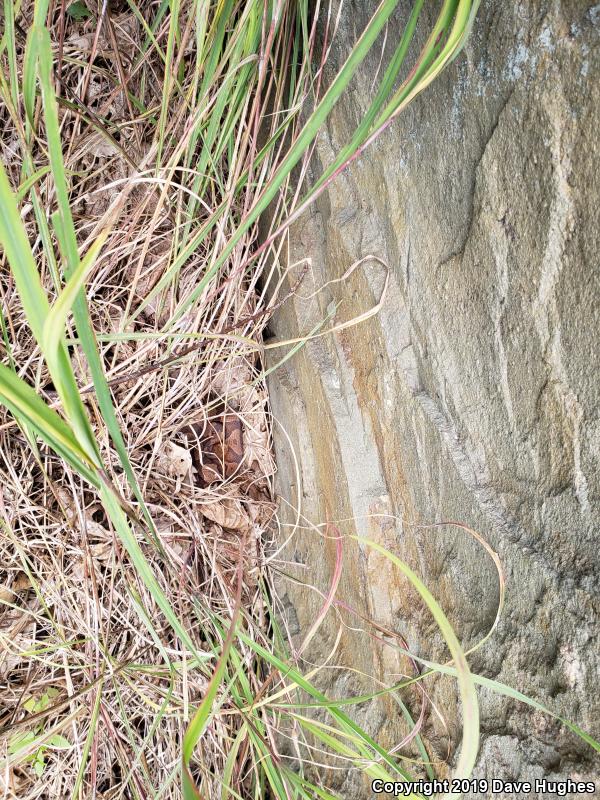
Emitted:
pixel 142 145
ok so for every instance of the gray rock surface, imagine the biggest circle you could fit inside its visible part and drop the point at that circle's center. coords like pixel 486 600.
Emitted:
pixel 472 396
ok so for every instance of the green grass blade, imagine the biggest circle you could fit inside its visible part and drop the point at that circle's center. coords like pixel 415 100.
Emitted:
pixel 18 251
pixel 54 325
pixel 29 182
pixel 507 691
pixel 78 302
pixel 470 704
pixel 28 407
pixel 301 143
pixel 201 718
pixel 85 754
pixel 341 718
pixel 143 568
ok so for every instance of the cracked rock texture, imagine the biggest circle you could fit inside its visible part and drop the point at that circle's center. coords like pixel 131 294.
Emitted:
pixel 473 395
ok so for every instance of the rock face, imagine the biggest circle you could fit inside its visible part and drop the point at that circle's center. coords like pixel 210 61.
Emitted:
pixel 473 395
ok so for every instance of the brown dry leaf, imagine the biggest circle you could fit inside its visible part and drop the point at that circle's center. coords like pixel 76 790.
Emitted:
pixel 222 448
pixel 101 551
pixel 100 538
pixel 67 502
pixel 230 376
pixel 15 624
pixel 125 27
pixel 16 632
pixel 100 147
pixel 175 461
pixel 228 513
pixel 6 595
pixel 21 583
pixel 257 445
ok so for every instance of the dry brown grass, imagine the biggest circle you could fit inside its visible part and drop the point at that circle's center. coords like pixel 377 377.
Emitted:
pixel 196 429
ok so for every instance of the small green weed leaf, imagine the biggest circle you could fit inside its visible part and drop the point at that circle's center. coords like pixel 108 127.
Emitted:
pixel 59 742
pixel 30 705
pixel 39 763
pixel 20 742
pixel 78 11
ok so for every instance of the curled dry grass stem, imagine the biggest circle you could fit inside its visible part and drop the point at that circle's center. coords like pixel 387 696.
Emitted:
pixel 141 149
